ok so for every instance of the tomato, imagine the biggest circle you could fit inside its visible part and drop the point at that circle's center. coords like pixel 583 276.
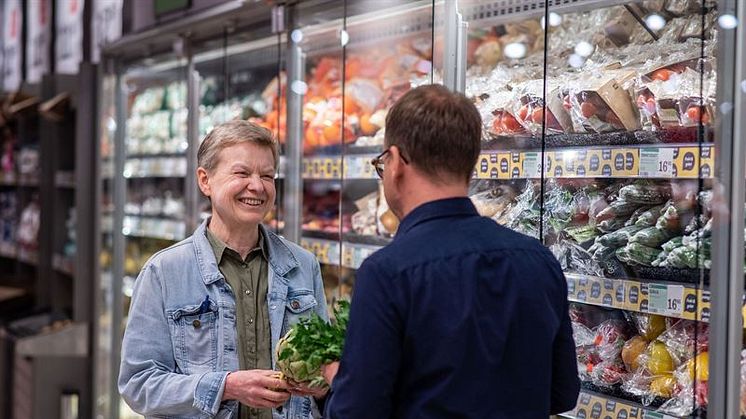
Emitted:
pixel 497 123
pixel 366 127
pixel 552 122
pixel 662 74
pixel 614 120
pixel 587 109
pixel 510 123
pixel 538 115
pixel 523 112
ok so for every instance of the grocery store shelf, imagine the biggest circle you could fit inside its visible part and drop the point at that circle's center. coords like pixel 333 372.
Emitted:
pixel 594 405
pixel 9 293
pixel 8 250
pixel 27 256
pixel 172 167
pixel 329 251
pixel 63 264
pixel 153 227
pixel 643 161
pixel 500 11
pixel 653 297
pixel 65 179
pixel 30 181
pixel 366 28
pixel 356 166
pixel 69 341
pixel 177 154
pixel 7 179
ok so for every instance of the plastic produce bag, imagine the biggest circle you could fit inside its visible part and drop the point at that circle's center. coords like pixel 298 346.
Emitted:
pixel 649 326
pixel 684 338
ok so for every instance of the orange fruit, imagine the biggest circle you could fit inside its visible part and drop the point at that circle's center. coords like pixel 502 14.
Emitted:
pixel 366 126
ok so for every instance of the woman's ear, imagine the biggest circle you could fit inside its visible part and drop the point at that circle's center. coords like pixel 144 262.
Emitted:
pixel 203 181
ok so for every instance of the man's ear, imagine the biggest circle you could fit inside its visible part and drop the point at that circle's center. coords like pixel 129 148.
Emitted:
pixel 395 162
pixel 203 181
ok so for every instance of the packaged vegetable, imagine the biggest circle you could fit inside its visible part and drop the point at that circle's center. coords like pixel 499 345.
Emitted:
pixel 637 254
pixel 310 344
pixel 645 193
pixel 651 237
pixel 631 352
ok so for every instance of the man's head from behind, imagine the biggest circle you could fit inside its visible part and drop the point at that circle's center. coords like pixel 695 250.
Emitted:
pixel 437 134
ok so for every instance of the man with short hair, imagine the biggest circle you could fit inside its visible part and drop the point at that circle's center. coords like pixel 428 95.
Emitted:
pixel 207 312
pixel 458 317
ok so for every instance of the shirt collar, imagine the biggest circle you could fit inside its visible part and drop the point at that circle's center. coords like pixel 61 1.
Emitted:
pixel 440 208
pixel 219 247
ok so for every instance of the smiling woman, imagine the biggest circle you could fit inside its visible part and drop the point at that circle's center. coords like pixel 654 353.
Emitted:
pixel 232 288
pixel 236 171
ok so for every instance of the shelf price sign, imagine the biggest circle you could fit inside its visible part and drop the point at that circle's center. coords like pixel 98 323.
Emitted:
pixel 532 165
pixel 666 299
pixel 656 162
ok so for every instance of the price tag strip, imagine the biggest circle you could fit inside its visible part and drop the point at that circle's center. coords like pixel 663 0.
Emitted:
pixel 645 162
pixel 591 405
pixel 671 300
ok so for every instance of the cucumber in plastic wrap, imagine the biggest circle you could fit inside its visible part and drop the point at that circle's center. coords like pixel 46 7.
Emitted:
pixel 636 215
pixel 682 257
pixel 619 237
pixel 582 234
pixel 649 217
pixel 645 193
pixel 637 254
pixel 612 224
pixel 669 220
pixel 673 243
pixel 651 237
pixel 616 209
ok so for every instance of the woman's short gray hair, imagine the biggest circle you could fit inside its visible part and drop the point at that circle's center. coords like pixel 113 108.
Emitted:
pixel 232 133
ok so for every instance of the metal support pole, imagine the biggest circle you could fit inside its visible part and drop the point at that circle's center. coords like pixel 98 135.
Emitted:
pixel 727 280
pixel 293 202
pixel 192 193
pixel 463 35
pixel 451 45
pixel 118 243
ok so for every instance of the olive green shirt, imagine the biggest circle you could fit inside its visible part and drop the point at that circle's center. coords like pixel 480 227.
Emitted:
pixel 249 281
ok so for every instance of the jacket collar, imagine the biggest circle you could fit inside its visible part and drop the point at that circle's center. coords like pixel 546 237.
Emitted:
pixel 440 208
pixel 280 258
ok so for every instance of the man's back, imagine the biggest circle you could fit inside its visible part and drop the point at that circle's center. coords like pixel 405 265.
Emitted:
pixel 458 318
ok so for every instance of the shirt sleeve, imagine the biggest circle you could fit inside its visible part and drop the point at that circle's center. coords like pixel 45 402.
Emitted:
pixel 147 380
pixel 364 385
pixel 565 381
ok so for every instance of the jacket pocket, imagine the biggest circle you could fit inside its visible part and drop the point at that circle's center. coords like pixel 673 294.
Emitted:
pixel 299 304
pixel 300 301
pixel 195 337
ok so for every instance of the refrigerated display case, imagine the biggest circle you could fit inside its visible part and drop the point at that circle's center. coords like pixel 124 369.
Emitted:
pixel 606 128
pixel 242 76
pixel 599 141
pixel 154 112
pixel 359 61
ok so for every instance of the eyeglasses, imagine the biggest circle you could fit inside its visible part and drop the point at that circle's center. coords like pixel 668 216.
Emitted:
pixel 378 163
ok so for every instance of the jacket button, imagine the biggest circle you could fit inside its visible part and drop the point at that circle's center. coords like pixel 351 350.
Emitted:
pixel 295 304
pixel 197 324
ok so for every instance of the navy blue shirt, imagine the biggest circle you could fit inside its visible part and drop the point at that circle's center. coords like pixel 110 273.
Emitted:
pixel 457 318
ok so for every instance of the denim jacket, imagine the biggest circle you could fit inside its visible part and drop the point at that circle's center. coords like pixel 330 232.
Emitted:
pixel 180 341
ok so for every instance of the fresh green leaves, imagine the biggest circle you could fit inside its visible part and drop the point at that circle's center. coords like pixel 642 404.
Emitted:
pixel 312 343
